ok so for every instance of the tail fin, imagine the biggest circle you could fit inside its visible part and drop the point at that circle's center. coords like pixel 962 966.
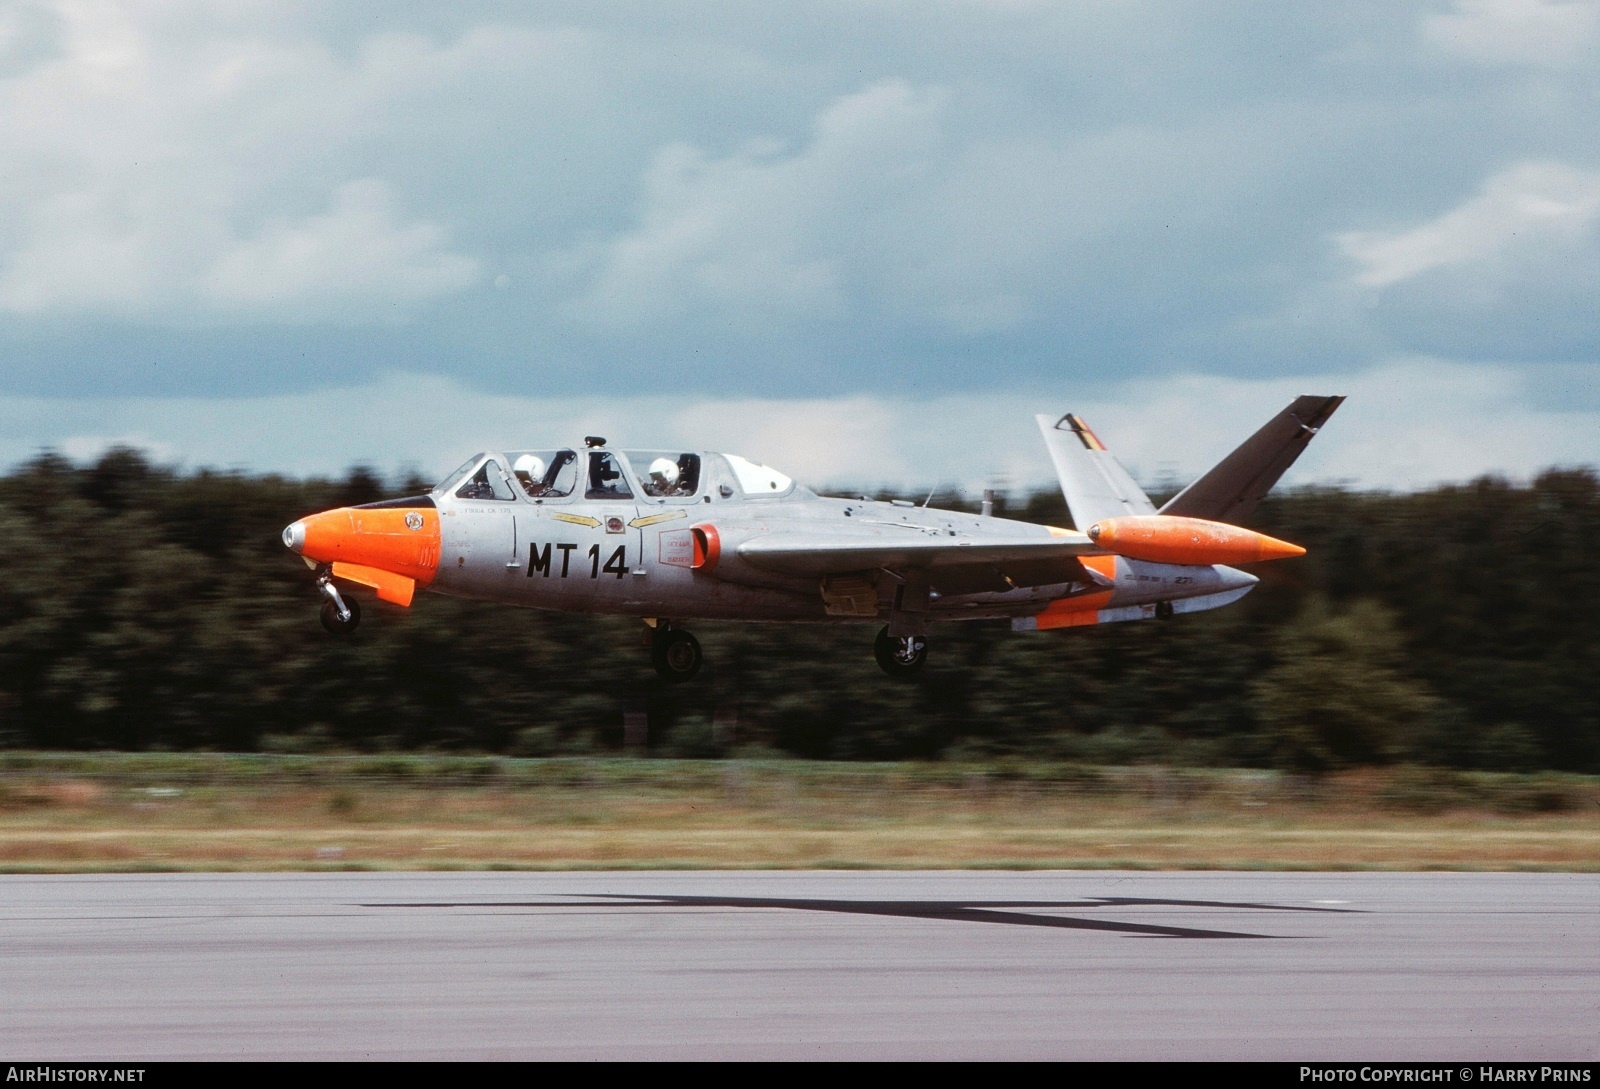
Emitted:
pixel 1094 482
pixel 1231 490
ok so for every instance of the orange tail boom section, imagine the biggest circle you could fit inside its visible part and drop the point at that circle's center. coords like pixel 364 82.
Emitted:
pixel 1162 538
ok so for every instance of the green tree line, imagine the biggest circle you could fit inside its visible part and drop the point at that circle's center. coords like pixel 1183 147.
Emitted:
pixel 144 608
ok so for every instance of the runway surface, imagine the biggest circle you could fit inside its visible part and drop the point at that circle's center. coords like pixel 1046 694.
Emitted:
pixel 1352 966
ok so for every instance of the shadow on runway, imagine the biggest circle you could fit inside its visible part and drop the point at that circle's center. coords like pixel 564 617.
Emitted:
pixel 966 911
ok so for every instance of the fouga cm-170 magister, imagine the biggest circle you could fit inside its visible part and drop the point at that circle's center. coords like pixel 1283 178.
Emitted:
pixel 674 537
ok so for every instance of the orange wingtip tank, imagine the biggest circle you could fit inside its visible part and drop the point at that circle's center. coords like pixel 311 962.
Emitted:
pixel 1162 538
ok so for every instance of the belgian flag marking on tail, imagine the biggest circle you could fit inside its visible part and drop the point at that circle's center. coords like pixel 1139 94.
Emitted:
pixel 1090 440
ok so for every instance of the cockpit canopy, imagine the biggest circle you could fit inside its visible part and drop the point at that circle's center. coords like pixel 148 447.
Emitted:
pixel 665 474
pixel 757 480
pixel 600 474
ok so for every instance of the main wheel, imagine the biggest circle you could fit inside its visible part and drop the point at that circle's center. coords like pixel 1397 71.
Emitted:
pixel 900 658
pixel 336 626
pixel 675 654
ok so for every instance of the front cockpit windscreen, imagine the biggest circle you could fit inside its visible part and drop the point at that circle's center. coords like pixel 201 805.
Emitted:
pixel 544 474
pixel 449 483
pixel 665 474
pixel 489 482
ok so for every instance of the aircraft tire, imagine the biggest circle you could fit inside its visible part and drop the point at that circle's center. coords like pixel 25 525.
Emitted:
pixel 331 621
pixel 1164 610
pixel 676 655
pixel 893 658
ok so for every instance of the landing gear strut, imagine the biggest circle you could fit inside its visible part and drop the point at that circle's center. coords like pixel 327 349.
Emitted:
pixel 675 654
pixel 902 657
pixel 339 616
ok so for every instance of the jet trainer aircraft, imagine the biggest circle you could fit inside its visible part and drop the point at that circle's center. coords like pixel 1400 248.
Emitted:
pixel 678 536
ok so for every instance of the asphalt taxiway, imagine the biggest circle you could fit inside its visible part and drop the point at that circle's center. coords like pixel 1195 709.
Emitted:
pixel 1328 966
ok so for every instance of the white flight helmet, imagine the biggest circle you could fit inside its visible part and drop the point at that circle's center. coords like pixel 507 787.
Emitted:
pixel 663 472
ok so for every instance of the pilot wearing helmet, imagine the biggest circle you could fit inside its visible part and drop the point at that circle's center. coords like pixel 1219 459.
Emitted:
pixel 529 471
pixel 664 477
pixel 667 478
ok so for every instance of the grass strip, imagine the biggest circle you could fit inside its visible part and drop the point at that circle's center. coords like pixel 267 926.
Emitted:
pixel 74 812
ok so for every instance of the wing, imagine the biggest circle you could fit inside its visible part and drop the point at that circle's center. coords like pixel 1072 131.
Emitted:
pixel 1093 480
pixel 953 566
pixel 1231 490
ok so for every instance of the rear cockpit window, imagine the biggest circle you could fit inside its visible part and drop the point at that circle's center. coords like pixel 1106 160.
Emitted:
pixel 605 477
pixel 665 474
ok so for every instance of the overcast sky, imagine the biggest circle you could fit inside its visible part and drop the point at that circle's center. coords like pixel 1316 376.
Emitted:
pixel 863 241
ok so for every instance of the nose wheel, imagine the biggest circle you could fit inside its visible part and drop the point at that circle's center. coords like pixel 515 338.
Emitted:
pixel 901 657
pixel 339 616
pixel 341 625
pixel 675 654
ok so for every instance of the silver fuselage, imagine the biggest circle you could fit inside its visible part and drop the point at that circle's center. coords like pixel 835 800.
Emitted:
pixel 633 557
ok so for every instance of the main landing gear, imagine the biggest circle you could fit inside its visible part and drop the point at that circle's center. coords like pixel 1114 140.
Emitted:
pixel 675 654
pixel 902 657
pixel 677 657
pixel 339 616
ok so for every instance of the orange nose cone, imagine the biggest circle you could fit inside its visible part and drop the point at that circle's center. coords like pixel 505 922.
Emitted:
pixel 403 541
pixel 1190 541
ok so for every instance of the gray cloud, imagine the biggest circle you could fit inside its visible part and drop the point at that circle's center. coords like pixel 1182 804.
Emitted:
pixel 819 202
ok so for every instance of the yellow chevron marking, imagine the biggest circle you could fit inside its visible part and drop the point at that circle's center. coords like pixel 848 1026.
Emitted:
pixel 650 520
pixel 576 519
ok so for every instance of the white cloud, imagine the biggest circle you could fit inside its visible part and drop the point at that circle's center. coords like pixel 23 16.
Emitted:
pixel 764 234
pixel 355 255
pixel 1529 207
pixel 1408 423
pixel 963 196
pixel 1538 33
pixel 167 162
pixel 897 209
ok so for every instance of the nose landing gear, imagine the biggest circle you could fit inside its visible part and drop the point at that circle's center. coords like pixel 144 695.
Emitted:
pixel 675 654
pixel 339 616
pixel 901 657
